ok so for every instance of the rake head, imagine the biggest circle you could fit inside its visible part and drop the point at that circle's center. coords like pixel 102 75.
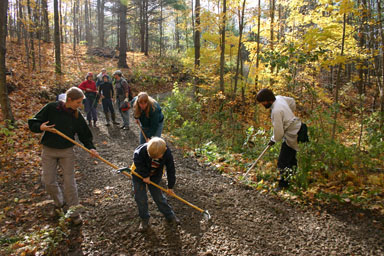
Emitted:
pixel 206 215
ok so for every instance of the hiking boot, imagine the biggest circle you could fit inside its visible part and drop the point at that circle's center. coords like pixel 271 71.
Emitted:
pixel 173 220
pixel 94 123
pixel 122 127
pixel 76 220
pixel 144 225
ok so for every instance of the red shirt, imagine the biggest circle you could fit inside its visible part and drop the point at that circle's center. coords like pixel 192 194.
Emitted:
pixel 88 84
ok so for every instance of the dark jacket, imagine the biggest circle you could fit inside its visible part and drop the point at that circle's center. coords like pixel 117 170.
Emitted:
pixel 106 89
pixel 143 162
pixel 65 121
pixel 150 123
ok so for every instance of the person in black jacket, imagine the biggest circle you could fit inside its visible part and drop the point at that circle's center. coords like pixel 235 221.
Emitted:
pixel 64 117
pixel 150 159
pixel 106 92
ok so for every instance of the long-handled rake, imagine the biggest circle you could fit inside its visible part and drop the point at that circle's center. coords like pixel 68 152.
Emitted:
pixel 125 171
pixel 260 156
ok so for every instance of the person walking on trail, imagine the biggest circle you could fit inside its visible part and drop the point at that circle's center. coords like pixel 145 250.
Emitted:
pixel 286 127
pixel 65 117
pixel 150 159
pixel 106 94
pixel 148 111
pixel 99 77
pixel 91 98
pixel 123 96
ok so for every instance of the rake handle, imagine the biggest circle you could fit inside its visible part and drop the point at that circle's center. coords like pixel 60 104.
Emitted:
pixel 141 129
pixel 126 173
pixel 253 165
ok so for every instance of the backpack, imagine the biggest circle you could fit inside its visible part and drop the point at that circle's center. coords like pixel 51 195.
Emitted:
pixel 302 135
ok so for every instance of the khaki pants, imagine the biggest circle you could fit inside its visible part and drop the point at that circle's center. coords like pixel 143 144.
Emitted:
pixel 51 158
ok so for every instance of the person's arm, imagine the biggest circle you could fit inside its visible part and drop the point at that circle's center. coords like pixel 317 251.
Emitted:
pixel 154 121
pixel 278 128
pixel 82 86
pixel 170 166
pixel 291 103
pixel 40 118
pixel 126 88
pixel 84 133
pixel 141 162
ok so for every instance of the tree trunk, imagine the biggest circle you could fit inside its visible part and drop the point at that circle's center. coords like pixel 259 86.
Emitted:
pixel 74 25
pixel 123 36
pixel 88 35
pixel 4 100
pixel 272 14
pixel 241 26
pixel 100 22
pixel 197 33
pixel 222 45
pixel 31 35
pixel 177 33
pixel 258 47
pixel 161 27
pixel 146 28
pixel 142 26
pixel 57 37
pixel 338 81
pixel 381 88
pixel 44 5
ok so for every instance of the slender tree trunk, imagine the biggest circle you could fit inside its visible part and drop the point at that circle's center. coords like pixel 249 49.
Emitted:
pixel 241 26
pixel 88 36
pixel 381 88
pixel 222 44
pixel 123 36
pixel 31 35
pixel 338 81
pixel 4 100
pixel 142 26
pixel 19 25
pixel 57 37
pixel 100 22
pixel 161 27
pixel 146 29
pixel 74 25
pixel 177 33
pixel 272 14
pixel 46 36
pixel 197 33
pixel 258 47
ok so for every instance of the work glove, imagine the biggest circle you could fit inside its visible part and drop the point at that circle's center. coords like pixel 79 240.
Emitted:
pixel 271 143
pixel 126 100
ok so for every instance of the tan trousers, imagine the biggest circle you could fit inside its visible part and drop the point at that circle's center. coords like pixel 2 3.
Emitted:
pixel 51 158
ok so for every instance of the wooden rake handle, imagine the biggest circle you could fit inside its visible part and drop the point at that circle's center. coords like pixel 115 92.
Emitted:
pixel 125 172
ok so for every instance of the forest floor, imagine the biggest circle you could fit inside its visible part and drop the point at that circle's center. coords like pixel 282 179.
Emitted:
pixel 244 221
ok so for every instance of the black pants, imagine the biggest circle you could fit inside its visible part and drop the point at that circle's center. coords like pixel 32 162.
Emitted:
pixel 287 162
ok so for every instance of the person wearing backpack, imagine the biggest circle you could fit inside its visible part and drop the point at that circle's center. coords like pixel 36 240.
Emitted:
pixel 106 92
pixel 91 98
pixel 65 117
pixel 150 159
pixel 148 111
pixel 99 77
pixel 286 127
pixel 123 96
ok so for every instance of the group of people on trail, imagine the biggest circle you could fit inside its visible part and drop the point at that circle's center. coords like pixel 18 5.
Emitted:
pixel 152 154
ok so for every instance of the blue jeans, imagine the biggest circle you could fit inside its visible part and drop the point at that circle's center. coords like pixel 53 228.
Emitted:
pixel 124 115
pixel 90 109
pixel 107 105
pixel 141 198
pixel 157 133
